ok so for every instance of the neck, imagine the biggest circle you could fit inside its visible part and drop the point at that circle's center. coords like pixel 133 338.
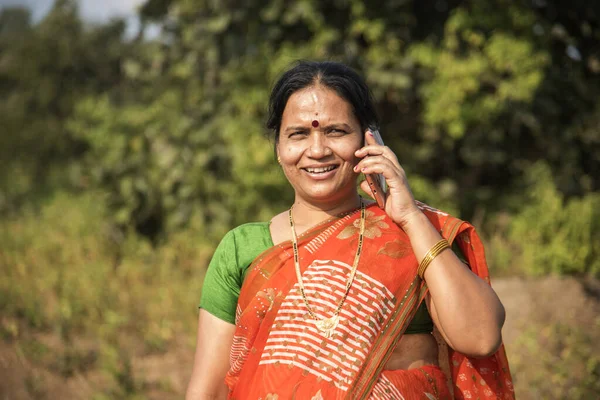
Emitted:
pixel 311 213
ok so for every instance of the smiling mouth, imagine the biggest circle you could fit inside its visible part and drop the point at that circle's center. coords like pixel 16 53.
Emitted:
pixel 320 170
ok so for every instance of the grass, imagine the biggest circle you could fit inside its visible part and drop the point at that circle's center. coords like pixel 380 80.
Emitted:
pixel 96 301
pixel 557 361
pixel 81 304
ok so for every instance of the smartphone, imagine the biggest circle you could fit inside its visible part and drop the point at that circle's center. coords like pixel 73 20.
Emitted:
pixel 377 181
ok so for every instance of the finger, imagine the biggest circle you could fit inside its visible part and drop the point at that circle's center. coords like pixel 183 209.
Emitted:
pixel 379 169
pixel 369 138
pixel 376 150
pixel 383 165
pixel 370 150
pixel 395 178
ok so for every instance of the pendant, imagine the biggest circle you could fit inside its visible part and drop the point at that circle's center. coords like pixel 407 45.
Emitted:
pixel 327 325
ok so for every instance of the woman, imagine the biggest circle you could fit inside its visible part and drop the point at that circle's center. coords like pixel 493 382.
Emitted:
pixel 336 298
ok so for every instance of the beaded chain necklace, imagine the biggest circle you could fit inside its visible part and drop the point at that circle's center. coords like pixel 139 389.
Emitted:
pixel 328 325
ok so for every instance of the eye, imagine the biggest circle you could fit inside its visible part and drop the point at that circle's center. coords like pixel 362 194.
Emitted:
pixel 337 132
pixel 297 134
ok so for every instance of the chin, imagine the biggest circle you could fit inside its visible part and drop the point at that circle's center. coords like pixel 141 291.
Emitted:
pixel 325 196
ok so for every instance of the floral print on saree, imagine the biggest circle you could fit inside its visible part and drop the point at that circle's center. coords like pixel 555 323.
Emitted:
pixel 277 352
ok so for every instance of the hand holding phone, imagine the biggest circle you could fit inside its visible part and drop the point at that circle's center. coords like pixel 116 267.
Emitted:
pixel 377 182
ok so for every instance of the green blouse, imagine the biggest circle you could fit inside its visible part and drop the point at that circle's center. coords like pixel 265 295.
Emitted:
pixel 229 265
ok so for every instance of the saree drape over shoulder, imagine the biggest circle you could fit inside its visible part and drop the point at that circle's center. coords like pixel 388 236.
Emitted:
pixel 278 353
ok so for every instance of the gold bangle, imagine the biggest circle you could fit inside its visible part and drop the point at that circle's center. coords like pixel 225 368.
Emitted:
pixel 431 254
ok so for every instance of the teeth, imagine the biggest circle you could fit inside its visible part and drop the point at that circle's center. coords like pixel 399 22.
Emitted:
pixel 320 170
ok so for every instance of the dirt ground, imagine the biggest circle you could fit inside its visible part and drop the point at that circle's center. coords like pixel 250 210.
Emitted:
pixel 552 336
pixel 532 306
pixel 546 301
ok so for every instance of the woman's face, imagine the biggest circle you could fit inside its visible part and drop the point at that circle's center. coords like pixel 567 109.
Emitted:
pixel 318 161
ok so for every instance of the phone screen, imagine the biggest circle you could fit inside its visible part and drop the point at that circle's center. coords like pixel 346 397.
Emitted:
pixel 377 181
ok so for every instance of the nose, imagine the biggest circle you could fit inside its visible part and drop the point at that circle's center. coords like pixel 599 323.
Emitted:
pixel 319 146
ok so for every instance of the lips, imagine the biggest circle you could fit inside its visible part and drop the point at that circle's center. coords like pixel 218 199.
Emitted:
pixel 320 170
pixel 318 173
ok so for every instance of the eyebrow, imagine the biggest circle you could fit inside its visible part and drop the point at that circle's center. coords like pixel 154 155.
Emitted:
pixel 326 127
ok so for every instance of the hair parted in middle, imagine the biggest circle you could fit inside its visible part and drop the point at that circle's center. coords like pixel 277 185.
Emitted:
pixel 342 79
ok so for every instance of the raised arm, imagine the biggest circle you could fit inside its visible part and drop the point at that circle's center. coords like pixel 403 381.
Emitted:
pixel 211 361
pixel 466 310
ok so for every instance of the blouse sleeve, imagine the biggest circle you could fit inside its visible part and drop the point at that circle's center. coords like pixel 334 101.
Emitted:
pixel 223 280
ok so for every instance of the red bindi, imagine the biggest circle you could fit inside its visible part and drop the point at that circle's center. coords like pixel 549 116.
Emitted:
pixel 315 123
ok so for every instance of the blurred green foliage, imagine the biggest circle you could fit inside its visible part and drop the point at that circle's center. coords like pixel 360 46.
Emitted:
pixel 44 71
pixel 471 94
pixel 566 360
pixel 67 274
pixel 564 237
pixel 547 233
pixel 125 160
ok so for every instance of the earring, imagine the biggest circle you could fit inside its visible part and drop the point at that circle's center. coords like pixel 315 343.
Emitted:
pixel 279 159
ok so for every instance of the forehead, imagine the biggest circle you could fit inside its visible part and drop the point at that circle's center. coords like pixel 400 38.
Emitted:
pixel 317 102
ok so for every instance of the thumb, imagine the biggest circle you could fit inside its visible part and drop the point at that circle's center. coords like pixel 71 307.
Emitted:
pixel 364 185
pixel 369 138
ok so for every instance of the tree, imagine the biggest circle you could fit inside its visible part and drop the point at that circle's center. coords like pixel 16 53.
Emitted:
pixel 44 71
pixel 468 94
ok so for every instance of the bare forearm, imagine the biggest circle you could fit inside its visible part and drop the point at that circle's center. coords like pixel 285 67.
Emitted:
pixel 211 361
pixel 468 310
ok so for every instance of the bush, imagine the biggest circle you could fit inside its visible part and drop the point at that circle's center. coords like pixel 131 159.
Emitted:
pixel 105 298
pixel 549 234
pixel 557 361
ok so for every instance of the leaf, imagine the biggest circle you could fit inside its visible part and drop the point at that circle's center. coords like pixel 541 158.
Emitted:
pixel 396 249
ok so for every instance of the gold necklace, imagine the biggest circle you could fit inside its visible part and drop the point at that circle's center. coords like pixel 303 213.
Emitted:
pixel 328 325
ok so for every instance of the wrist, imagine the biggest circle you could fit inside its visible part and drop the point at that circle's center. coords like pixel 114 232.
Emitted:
pixel 413 220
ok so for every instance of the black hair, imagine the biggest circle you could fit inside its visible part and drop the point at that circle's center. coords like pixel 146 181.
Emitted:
pixel 346 82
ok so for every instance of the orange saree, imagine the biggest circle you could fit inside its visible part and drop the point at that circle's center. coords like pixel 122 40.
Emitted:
pixel 277 352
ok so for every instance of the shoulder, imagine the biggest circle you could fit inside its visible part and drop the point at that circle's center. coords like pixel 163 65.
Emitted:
pixel 243 243
pixel 248 231
pixel 243 235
